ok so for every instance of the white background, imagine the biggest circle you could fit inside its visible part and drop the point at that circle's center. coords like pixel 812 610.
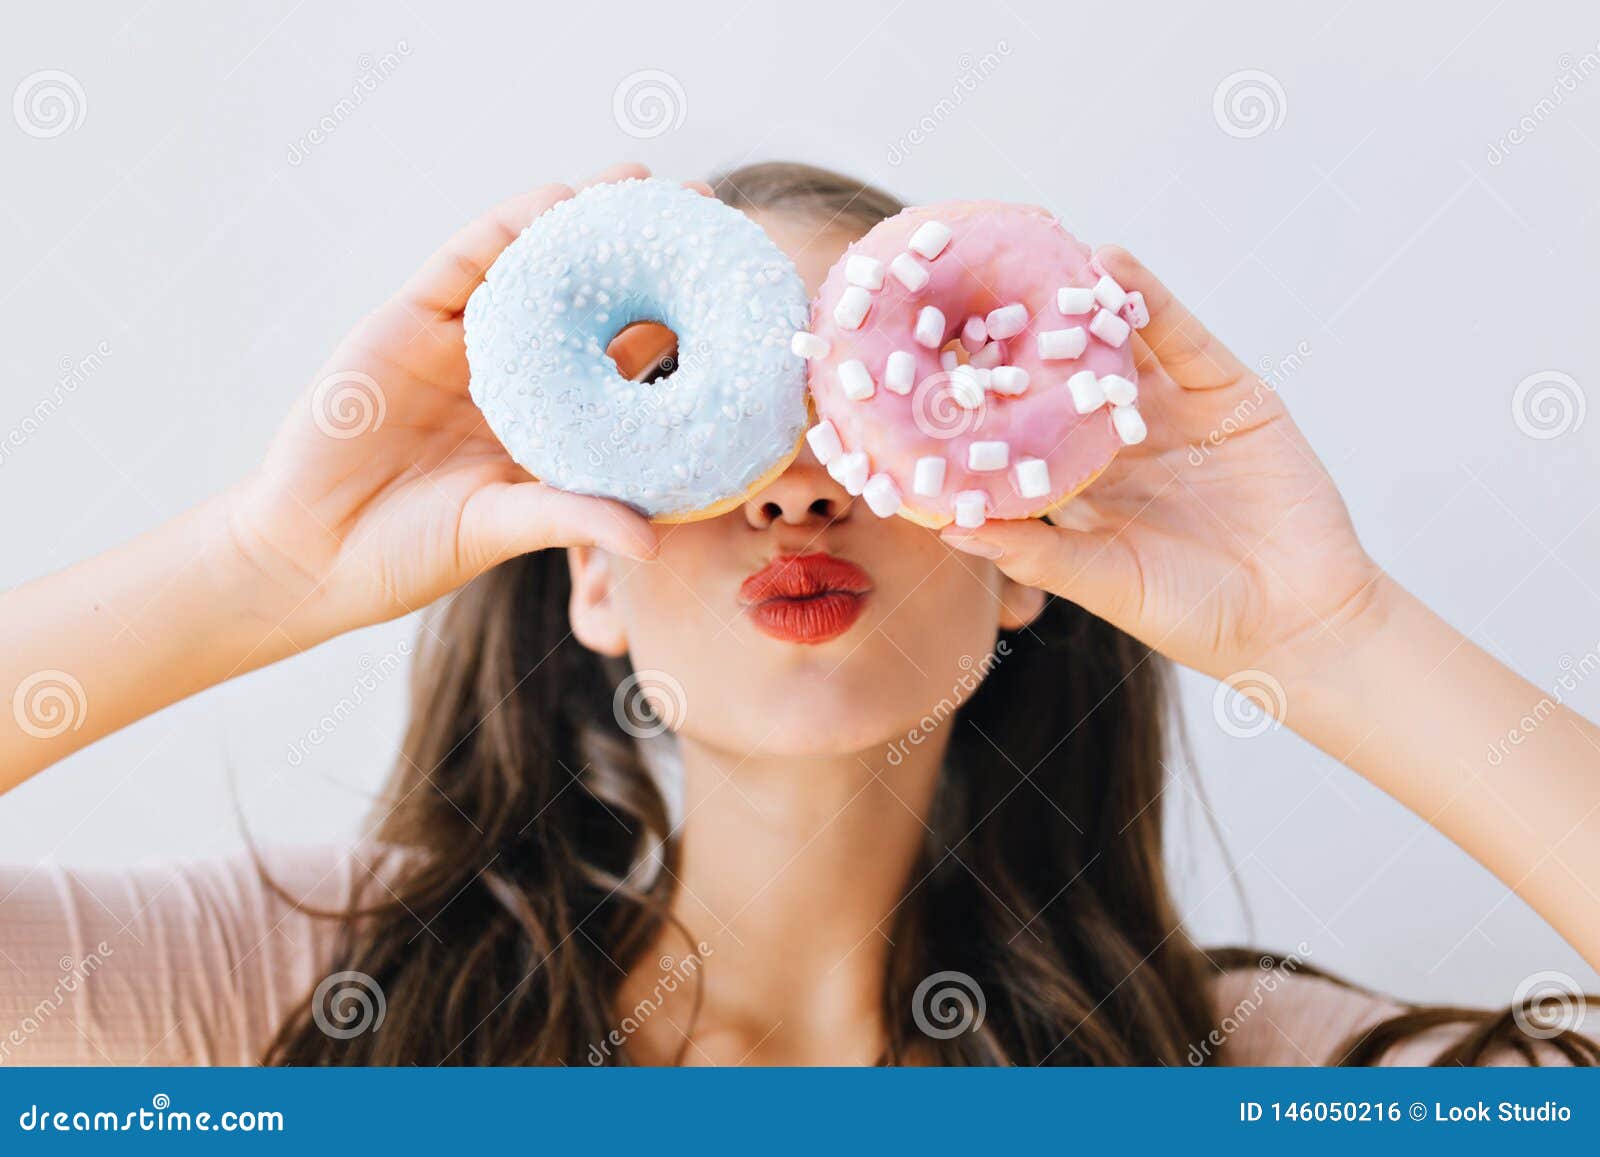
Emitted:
pixel 1385 222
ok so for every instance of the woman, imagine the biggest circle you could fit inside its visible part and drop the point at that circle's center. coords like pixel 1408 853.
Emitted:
pixel 922 827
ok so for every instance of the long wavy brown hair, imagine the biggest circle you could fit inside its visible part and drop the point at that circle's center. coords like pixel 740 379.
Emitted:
pixel 529 822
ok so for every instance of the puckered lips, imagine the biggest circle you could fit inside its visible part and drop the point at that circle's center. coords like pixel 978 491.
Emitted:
pixel 806 598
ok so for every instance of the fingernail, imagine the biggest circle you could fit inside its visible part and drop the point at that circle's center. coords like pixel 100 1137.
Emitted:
pixel 968 544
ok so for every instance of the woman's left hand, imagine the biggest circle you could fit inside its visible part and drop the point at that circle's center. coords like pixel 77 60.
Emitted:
pixel 1220 540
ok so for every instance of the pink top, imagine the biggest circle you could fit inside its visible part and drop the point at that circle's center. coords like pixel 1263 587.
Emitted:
pixel 197 963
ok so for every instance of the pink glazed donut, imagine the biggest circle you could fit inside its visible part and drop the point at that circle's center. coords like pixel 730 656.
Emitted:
pixel 969 362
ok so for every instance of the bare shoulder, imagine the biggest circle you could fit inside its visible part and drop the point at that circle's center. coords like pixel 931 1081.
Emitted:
pixel 1283 1015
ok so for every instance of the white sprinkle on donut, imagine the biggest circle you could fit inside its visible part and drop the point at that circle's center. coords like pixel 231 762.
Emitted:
pixel 1008 380
pixel 930 327
pixel 1109 328
pixel 988 456
pixel 1135 312
pixel 854 380
pixel 867 272
pixel 908 271
pixel 930 239
pixel 1130 425
pixel 1061 344
pixel 1072 301
pixel 1119 390
pixel 808 345
pixel 882 495
pixel 823 438
pixel 974 334
pixel 1087 394
pixel 1109 294
pixel 850 471
pixel 928 477
pixel 1007 321
pixel 966 387
pixel 899 372
pixel 972 507
pixel 1033 477
pixel 852 307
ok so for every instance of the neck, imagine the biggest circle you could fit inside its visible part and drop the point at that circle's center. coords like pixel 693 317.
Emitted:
pixel 791 875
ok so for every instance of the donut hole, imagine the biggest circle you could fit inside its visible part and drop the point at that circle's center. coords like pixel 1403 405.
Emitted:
pixel 644 351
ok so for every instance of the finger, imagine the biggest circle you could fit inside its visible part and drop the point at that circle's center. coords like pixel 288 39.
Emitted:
pixel 456 268
pixel 511 519
pixel 626 171
pixel 1192 357
pixel 1093 569
pixel 700 187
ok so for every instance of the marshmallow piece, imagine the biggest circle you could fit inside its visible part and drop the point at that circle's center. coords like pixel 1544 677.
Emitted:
pixel 985 377
pixel 1135 312
pixel 1109 328
pixel 1087 394
pixel 991 355
pixel 928 477
pixel 1033 477
pixel 823 438
pixel 1008 320
pixel 1008 380
pixel 850 471
pixel 972 507
pixel 882 495
pixel 1109 294
pixel 1062 344
pixel 1119 390
pixel 851 308
pixel 1130 425
pixel 867 272
pixel 973 334
pixel 908 272
pixel 930 239
pixel 948 360
pixel 808 345
pixel 988 456
pixel 899 372
pixel 1071 300
pixel 854 380
pixel 966 387
pixel 930 327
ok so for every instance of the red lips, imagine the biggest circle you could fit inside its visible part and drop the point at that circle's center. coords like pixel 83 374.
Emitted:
pixel 807 598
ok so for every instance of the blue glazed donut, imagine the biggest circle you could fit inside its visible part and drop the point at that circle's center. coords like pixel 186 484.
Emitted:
pixel 688 446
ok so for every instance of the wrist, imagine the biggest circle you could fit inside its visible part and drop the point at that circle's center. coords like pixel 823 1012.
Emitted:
pixel 1342 641
pixel 272 602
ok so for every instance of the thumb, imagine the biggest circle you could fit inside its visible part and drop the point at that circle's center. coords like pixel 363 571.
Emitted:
pixel 509 519
pixel 1094 569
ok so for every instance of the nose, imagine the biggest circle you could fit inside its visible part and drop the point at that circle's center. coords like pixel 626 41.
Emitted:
pixel 803 495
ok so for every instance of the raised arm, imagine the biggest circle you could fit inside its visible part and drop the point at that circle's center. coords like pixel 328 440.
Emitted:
pixel 1223 543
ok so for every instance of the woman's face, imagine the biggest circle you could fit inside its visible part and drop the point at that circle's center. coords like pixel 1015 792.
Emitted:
pixel 799 623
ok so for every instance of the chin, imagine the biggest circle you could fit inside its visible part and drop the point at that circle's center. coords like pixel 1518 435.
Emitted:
pixel 812 718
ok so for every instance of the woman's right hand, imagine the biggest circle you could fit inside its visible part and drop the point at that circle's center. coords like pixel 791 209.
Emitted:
pixel 384 489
